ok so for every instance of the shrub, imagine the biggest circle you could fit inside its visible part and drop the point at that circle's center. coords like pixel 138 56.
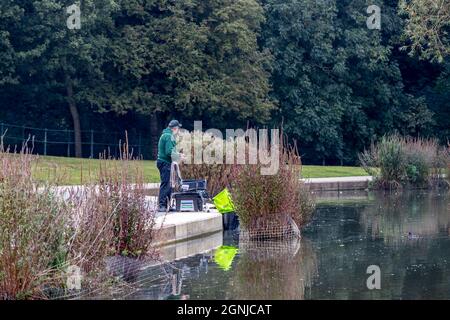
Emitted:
pixel 397 161
pixel 121 184
pixel 267 203
pixel 115 204
pixel 217 174
pixel 44 230
pixel 33 229
pixel 260 199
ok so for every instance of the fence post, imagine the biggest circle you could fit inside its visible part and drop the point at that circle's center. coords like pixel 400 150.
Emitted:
pixel 92 144
pixel 68 142
pixel 45 142
pixel 139 147
pixel 115 145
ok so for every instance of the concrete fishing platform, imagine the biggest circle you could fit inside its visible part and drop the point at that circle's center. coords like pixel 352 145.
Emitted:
pixel 180 226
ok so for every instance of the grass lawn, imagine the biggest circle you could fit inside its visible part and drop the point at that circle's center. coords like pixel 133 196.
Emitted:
pixel 71 168
pixel 331 171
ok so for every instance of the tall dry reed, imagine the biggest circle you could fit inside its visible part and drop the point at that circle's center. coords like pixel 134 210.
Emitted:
pixel 397 162
pixel 45 229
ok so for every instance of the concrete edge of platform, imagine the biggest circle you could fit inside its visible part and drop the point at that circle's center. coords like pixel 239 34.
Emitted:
pixel 338 184
pixel 181 226
pixel 323 184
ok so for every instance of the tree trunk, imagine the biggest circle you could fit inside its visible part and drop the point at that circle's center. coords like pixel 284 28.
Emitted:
pixel 75 116
pixel 154 132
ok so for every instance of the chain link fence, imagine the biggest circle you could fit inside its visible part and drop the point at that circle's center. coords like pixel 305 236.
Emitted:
pixel 54 142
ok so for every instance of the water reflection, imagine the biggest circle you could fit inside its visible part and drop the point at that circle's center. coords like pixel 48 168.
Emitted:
pixel 401 217
pixel 273 270
pixel 406 235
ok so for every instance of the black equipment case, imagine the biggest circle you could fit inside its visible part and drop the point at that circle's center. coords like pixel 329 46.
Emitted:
pixel 192 197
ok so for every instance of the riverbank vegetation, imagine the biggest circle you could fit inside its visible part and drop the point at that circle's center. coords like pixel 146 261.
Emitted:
pixel 48 235
pixel 397 162
pixel 262 199
pixel 267 205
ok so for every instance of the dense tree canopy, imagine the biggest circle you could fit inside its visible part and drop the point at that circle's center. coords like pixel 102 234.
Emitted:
pixel 312 66
pixel 335 79
pixel 428 26
pixel 197 58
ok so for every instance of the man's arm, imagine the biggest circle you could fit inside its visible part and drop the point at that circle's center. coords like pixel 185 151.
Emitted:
pixel 170 148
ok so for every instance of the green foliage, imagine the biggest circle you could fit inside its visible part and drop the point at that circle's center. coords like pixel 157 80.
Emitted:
pixel 335 79
pixel 34 228
pixel 312 66
pixel 396 162
pixel 44 230
pixel 427 28
pixel 438 98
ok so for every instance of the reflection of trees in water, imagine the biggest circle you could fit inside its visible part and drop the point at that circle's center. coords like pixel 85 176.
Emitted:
pixel 176 274
pixel 125 277
pixel 273 270
pixel 412 267
pixel 147 279
pixel 407 216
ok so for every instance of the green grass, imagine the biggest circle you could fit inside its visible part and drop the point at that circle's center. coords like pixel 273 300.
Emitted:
pixel 71 168
pixel 331 171
pixel 75 171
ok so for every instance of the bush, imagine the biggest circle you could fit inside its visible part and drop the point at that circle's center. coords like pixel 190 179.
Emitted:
pixel 404 161
pixel 121 185
pixel 259 199
pixel 217 174
pixel 44 230
pixel 265 203
pixel 111 216
pixel 33 230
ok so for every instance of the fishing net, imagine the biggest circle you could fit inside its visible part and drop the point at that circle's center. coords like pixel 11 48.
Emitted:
pixel 283 229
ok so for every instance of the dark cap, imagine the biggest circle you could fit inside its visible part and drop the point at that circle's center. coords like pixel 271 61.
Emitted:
pixel 174 123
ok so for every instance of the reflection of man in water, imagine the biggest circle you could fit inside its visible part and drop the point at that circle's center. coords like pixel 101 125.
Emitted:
pixel 203 264
pixel 176 283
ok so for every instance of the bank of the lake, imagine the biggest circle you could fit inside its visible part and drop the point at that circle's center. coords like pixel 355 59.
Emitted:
pixel 76 170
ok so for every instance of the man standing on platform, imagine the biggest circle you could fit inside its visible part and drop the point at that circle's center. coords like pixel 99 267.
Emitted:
pixel 166 154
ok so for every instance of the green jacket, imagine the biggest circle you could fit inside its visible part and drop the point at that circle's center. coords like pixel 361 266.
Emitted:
pixel 166 146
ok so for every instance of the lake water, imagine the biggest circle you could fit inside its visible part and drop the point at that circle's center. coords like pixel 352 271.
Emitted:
pixel 406 235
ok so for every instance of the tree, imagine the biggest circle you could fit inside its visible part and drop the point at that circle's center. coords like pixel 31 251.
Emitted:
pixel 66 64
pixel 8 55
pixel 427 28
pixel 196 59
pixel 335 81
